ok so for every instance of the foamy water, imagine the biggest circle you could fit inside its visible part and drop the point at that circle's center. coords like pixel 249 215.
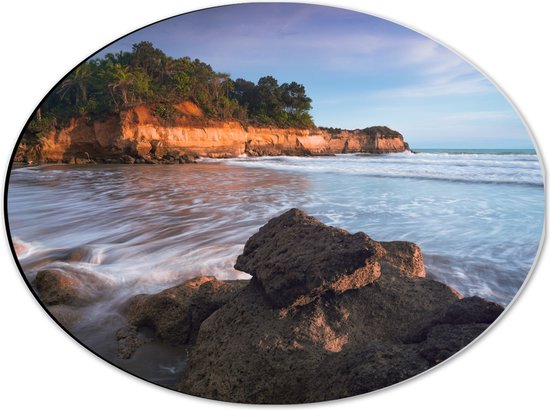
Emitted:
pixel 521 169
pixel 478 217
pixel 143 228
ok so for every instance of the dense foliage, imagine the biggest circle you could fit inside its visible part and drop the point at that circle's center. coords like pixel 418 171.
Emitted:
pixel 146 75
pixel 379 131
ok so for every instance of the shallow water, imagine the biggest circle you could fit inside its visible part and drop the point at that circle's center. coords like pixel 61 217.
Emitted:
pixel 477 216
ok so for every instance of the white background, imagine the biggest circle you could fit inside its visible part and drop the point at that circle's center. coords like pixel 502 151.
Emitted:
pixel 42 366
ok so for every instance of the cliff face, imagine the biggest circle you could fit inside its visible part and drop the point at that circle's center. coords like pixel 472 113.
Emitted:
pixel 139 133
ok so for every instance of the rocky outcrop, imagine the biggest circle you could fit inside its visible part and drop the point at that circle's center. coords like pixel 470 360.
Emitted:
pixel 327 314
pixel 137 135
pixel 174 315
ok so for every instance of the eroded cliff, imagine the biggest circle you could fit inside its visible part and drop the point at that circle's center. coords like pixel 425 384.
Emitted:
pixel 141 134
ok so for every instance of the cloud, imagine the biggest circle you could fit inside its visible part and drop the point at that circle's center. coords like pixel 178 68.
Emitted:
pixel 438 88
pixel 474 116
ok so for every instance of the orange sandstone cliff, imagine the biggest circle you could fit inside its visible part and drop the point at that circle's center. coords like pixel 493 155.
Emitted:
pixel 139 134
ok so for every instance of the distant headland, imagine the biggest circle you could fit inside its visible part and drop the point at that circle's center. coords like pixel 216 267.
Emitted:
pixel 146 107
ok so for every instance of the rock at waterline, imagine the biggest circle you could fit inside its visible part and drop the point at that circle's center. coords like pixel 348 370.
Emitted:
pixel 66 292
pixel 321 322
pixel 175 314
pixel 70 286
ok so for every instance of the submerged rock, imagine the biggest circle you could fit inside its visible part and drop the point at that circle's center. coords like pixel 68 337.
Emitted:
pixel 69 317
pixel 69 287
pixel 129 340
pixel 327 315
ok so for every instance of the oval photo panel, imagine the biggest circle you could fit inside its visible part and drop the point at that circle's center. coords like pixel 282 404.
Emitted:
pixel 275 203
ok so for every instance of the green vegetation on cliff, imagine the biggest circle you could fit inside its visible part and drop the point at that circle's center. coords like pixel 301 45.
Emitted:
pixel 146 75
pixel 379 131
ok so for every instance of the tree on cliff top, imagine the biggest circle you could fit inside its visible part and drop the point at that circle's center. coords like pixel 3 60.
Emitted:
pixel 146 75
pixel 269 103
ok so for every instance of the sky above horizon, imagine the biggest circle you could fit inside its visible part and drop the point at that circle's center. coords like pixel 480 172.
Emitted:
pixel 359 70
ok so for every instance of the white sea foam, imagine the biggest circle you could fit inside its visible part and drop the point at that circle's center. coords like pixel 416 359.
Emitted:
pixel 475 168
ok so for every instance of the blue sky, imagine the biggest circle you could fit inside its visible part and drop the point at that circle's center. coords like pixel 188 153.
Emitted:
pixel 358 69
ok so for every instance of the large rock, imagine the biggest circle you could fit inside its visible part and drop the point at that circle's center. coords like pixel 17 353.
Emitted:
pixel 175 314
pixel 290 272
pixel 351 331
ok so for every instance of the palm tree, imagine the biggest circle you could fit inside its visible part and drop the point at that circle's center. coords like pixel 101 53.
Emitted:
pixel 122 80
pixel 76 84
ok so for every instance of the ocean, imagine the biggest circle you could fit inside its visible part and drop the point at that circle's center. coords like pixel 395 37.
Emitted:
pixel 477 215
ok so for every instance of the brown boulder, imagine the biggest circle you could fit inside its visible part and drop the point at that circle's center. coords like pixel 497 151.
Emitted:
pixel 69 287
pixel 248 351
pixel 294 257
pixel 175 314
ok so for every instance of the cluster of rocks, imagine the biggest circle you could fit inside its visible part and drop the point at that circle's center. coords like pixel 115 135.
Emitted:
pixel 167 159
pixel 327 314
pixel 171 157
pixel 128 159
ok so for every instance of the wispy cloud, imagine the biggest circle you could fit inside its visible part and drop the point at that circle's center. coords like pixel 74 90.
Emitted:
pixel 480 116
pixel 438 88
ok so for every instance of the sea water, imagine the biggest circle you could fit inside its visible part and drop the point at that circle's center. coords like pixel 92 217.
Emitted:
pixel 477 215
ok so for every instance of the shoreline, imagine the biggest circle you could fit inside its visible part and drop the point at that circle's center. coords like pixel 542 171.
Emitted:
pixel 123 160
pixel 188 159
pixel 128 160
